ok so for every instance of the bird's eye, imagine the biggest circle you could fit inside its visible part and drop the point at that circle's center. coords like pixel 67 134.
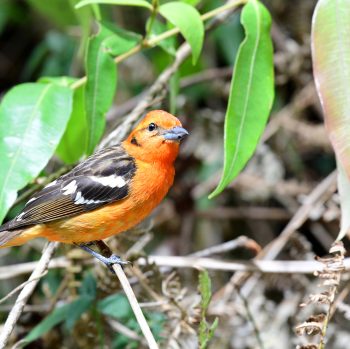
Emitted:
pixel 152 127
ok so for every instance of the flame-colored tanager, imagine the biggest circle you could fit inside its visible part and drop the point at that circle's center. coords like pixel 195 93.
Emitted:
pixel 108 193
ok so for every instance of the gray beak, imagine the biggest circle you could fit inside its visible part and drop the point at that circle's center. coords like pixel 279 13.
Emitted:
pixel 175 134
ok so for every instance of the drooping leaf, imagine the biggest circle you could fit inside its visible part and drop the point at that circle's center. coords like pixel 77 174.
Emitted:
pixel 33 118
pixel 140 3
pixel 189 22
pixel 331 66
pixel 251 93
pixel 102 76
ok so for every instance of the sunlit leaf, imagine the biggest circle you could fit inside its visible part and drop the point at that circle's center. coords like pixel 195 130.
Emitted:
pixel 33 118
pixel 251 93
pixel 141 3
pixel 189 22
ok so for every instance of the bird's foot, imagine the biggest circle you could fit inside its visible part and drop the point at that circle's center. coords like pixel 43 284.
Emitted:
pixel 114 259
pixel 107 261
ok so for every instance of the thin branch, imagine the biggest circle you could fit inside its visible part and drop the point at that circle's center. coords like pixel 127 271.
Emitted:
pixel 26 293
pixel 18 288
pixel 106 251
pixel 135 307
pixel 261 266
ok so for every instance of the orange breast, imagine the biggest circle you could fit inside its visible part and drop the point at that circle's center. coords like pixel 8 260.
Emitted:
pixel 149 186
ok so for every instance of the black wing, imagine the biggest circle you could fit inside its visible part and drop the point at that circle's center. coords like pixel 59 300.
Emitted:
pixel 101 179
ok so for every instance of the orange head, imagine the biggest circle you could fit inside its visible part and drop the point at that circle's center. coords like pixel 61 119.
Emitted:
pixel 156 138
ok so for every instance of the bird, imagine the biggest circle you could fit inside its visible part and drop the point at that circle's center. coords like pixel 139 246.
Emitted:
pixel 108 193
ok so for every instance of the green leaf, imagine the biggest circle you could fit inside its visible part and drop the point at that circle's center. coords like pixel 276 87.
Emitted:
pixel 57 11
pixel 191 2
pixel 76 309
pixel 116 306
pixel 33 118
pixel 65 81
pixel 206 331
pixel 204 288
pixel 140 3
pixel 251 93
pixel 168 44
pixel 189 22
pixel 102 76
pixel 68 313
pixel 73 144
pixel 56 317
pixel 88 286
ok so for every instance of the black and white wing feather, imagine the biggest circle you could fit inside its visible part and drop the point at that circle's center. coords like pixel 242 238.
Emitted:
pixel 101 179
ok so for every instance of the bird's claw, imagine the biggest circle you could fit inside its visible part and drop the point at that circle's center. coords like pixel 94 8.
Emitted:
pixel 114 259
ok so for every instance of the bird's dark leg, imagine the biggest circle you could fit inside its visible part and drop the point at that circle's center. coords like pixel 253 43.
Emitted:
pixel 105 251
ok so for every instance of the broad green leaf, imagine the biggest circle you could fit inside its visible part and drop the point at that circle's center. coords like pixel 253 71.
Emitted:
pixel 116 306
pixel 189 22
pixel 251 93
pixel 33 118
pixel 140 3
pixel 73 144
pixel 102 76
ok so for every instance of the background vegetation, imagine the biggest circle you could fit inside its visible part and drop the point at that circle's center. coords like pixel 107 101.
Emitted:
pixel 282 207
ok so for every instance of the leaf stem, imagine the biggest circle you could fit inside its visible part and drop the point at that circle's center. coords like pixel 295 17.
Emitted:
pixel 167 34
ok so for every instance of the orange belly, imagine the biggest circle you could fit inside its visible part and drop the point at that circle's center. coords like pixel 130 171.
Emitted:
pixel 148 188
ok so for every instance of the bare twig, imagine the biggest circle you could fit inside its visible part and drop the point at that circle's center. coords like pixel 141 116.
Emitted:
pixel 124 330
pixel 241 241
pixel 135 307
pixel 105 250
pixel 26 293
pixel 262 266
pixel 18 288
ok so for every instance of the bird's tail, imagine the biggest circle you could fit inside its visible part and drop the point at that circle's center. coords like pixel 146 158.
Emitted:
pixel 8 237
